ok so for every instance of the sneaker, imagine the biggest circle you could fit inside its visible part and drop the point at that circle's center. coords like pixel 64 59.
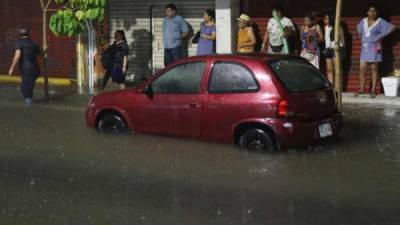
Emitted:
pixel 28 102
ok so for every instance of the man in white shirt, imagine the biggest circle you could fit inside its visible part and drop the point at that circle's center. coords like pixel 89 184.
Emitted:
pixel 274 36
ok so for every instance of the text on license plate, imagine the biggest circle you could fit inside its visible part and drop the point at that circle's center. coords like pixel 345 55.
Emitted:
pixel 325 130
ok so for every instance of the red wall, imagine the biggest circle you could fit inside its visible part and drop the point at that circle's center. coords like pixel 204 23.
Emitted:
pixel 293 8
pixel 27 13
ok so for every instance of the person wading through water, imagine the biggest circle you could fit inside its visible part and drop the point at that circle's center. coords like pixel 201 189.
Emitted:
pixel 26 53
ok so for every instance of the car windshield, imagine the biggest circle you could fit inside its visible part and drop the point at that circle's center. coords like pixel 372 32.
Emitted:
pixel 298 75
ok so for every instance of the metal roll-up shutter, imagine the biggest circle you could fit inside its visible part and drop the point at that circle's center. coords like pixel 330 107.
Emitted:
pixel 133 16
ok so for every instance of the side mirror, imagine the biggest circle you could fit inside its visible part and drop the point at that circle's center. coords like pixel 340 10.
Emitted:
pixel 148 90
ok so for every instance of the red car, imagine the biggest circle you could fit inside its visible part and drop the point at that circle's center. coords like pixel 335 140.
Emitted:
pixel 255 101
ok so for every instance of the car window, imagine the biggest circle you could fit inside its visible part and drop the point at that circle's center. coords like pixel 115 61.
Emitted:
pixel 182 79
pixel 298 75
pixel 231 77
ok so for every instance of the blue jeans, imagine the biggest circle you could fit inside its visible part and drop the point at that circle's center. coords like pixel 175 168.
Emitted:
pixel 172 54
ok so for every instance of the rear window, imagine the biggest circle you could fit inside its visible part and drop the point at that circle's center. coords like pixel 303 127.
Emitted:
pixel 298 75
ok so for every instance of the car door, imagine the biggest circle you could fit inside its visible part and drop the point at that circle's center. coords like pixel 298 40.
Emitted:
pixel 231 98
pixel 175 105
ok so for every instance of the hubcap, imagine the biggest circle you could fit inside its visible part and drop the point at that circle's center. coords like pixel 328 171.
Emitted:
pixel 256 144
pixel 112 126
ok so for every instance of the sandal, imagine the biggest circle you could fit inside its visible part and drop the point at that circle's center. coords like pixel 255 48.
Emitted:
pixel 359 93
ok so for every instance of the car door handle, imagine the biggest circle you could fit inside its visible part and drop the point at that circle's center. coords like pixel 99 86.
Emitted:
pixel 193 105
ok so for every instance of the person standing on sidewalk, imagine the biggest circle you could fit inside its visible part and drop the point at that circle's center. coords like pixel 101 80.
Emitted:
pixel 208 35
pixel 175 28
pixel 274 36
pixel 26 53
pixel 330 45
pixel 99 68
pixel 118 66
pixel 311 36
pixel 246 37
pixel 372 30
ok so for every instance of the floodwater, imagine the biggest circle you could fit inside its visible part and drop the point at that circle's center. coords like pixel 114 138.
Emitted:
pixel 56 171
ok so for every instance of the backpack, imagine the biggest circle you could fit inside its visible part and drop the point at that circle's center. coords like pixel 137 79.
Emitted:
pixel 108 57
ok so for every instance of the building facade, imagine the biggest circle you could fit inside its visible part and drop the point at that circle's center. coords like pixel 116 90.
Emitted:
pixel 142 22
pixel 16 14
pixel 353 12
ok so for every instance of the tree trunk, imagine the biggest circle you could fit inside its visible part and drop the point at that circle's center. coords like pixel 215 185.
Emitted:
pixel 45 68
pixel 338 58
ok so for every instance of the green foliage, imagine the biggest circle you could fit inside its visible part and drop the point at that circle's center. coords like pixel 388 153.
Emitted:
pixel 70 19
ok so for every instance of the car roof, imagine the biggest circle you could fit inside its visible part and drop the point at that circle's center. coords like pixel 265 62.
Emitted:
pixel 248 56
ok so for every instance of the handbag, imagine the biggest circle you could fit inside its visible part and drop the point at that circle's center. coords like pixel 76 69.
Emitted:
pixel 276 48
pixel 196 38
pixel 308 55
pixel 108 57
pixel 328 53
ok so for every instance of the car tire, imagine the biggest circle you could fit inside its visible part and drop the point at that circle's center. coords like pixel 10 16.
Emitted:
pixel 112 123
pixel 257 140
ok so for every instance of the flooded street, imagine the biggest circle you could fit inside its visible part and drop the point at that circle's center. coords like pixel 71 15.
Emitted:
pixel 56 171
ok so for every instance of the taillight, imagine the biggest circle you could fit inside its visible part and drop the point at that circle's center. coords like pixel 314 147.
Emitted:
pixel 283 109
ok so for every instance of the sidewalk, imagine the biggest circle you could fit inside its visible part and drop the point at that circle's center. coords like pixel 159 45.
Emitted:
pixel 353 98
pixel 40 80
pixel 64 97
pixel 68 97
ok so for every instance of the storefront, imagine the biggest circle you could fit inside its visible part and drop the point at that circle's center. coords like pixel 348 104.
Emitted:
pixel 142 22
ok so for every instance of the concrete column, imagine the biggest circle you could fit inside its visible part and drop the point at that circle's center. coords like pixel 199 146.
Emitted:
pixel 81 65
pixel 226 13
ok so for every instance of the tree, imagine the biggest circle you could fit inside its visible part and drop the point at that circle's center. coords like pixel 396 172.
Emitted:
pixel 338 58
pixel 77 16
pixel 45 8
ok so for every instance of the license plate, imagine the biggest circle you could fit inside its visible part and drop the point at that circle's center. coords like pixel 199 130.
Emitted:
pixel 325 130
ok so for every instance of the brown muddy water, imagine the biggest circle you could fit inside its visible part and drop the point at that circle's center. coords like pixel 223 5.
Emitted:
pixel 56 171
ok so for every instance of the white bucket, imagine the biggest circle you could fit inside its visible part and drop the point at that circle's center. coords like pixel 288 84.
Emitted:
pixel 391 86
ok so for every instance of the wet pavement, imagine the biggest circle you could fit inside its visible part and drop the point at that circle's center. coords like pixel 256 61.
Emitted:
pixel 56 171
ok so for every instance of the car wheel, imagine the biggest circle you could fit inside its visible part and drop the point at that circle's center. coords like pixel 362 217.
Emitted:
pixel 257 140
pixel 112 123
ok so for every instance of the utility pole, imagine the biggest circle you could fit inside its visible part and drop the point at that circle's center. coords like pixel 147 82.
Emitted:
pixel 338 58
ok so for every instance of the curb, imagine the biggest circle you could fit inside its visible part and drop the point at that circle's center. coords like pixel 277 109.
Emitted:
pixel 353 98
pixel 5 103
pixel 40 80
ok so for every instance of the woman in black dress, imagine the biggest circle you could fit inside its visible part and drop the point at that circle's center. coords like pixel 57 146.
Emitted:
pixel 117 69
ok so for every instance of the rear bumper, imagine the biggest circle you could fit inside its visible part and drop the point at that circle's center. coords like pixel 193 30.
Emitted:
pixel 290 134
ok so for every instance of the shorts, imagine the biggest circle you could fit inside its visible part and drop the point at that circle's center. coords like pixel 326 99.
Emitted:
pixel 117 75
